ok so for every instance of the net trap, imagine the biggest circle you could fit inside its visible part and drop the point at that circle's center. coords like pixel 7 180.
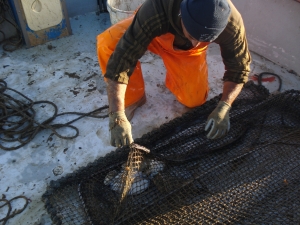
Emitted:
pixel 175 175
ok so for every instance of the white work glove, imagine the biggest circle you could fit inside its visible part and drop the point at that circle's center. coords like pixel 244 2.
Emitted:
pixel 218 122
pixel 120 129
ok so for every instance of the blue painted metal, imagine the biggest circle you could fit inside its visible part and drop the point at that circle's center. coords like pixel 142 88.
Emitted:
pixel 56 31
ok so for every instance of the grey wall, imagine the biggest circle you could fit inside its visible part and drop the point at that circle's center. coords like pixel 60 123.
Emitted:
pixel 273 29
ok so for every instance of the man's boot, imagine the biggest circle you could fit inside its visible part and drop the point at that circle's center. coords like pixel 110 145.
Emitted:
pixel 129 111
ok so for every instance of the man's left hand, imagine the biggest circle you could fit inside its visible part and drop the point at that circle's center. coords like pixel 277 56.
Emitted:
pixel 218 122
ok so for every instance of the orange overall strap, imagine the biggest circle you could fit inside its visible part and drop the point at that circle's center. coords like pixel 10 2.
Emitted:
pixel 187 70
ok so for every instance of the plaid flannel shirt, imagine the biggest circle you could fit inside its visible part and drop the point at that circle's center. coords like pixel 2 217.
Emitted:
pixel 157 17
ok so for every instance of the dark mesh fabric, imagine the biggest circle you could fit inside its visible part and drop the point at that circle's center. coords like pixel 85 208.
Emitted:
pixel 252 176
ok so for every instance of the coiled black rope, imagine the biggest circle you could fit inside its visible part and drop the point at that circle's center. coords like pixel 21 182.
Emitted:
pixel 18 124
pixel 7 203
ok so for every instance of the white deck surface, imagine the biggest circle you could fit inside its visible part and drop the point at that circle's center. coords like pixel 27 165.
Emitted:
pixel 42 74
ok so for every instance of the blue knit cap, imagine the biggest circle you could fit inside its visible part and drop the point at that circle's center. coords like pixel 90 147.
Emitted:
pixel 205 19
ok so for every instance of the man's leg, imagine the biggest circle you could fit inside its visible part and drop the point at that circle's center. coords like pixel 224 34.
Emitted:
pixel 106 43
pixel 187 71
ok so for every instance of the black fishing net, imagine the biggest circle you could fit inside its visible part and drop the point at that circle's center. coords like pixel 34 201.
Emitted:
pixel 175 175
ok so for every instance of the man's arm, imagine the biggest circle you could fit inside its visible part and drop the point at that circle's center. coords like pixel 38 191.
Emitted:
pixel 146 25
pixel 236 58
pixel 218 122
pixel 234 49
pixel 230 91
pixel 116 95
pixel 119 126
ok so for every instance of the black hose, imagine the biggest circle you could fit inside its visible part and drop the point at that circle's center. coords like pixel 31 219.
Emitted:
pixel 259 78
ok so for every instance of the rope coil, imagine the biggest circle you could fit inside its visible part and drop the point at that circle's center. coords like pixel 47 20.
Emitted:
pixel 18 123
pixel 8 204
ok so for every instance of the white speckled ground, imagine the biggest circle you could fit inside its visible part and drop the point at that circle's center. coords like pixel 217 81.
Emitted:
pixel 67 75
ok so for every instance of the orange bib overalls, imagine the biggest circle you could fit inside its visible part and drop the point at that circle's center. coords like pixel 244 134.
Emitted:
pixel 186 75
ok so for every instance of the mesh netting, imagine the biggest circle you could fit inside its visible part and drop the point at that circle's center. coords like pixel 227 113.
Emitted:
pixel 252 176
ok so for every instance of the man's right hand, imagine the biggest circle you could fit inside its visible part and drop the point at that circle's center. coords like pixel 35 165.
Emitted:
pixel 120 129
